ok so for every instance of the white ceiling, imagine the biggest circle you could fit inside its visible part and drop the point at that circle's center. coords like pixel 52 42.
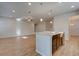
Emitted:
pixel 37 11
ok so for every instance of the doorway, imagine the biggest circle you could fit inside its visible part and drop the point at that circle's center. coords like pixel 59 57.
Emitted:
pixel 74 35
pixel 74 26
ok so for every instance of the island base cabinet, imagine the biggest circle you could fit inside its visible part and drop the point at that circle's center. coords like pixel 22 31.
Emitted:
pixel 56 42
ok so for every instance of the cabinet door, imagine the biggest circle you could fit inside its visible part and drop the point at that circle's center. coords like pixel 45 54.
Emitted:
pixel 55 42
pixel 54 45
pixel 58 40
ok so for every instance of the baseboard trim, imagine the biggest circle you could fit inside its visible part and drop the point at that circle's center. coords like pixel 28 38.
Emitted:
pixel 16 35
pixel 40 53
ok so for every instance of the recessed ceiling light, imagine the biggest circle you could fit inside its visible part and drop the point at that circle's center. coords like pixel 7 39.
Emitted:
pixel 51 22
pixel 18 19
pixel 41 19
pixel 24 37
pixel 13 11
pixel 72 6
pixel 29 4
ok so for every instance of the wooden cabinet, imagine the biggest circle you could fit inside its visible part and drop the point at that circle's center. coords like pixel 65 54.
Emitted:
pixel 57 41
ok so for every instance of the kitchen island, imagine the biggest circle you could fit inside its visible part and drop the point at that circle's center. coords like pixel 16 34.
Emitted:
pixel 45 42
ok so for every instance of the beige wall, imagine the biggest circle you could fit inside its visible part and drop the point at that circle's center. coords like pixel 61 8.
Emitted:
pixel 11 27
